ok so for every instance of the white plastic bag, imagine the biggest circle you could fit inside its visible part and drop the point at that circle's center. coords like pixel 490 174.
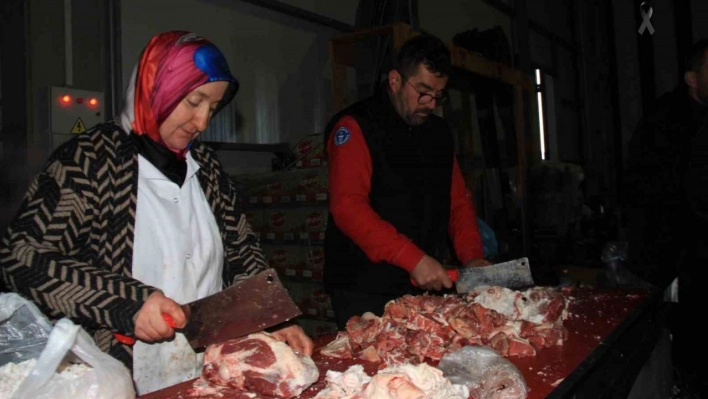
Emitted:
pixel 487 374
pixel 107 378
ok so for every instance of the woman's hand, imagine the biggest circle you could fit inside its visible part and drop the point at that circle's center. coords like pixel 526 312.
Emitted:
pixel 294 336
pixel 150 326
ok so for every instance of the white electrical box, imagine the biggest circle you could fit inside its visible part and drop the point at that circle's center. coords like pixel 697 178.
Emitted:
pixel 73 111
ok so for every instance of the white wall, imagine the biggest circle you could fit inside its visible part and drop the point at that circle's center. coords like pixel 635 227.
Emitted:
pixel 280 61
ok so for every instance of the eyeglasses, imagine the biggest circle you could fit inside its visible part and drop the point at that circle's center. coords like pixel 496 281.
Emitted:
pixel 426 98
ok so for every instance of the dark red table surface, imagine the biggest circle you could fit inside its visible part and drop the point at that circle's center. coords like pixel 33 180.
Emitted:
pixel 593 315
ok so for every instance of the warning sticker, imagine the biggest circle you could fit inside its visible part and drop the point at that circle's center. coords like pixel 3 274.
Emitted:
pixel 79 127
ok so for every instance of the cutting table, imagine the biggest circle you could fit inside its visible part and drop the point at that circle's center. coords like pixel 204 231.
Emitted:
pixel 611 333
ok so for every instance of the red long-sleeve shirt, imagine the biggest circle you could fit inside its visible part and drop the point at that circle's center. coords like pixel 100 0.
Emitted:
pixel 349 186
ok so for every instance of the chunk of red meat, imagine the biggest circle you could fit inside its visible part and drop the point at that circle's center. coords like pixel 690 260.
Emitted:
pixel 520 347
pixel 430 303
pixel 528 329
pixel 488 319
pixel 554 309
pixel 389 340
pixel 537 342
pixel 419 321
pixel 363 330
pixel 397 311
pixel 465 326
pixel 500 343
pixel 340 348
pixel 261 364
pixel 552 334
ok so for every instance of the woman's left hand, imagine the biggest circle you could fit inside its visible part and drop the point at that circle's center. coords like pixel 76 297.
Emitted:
pixel 296 338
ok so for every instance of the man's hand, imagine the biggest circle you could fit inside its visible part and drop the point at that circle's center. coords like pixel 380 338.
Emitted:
pixel 429 274
pixel 150 326
pixel 294 336
pixel 476 263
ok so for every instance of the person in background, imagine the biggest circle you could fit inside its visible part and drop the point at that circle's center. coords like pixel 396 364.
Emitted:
pixel 664 202
pixel 397 194
pixel 133 218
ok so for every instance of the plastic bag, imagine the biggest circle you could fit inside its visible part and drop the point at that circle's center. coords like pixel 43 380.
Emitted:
pixel 107 378
pixel 24 330
pixel 489 240
pixel 487 374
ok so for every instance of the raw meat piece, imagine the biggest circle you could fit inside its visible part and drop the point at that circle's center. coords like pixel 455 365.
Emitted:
pixel 340 348
pixel 363 329
pixel 488 319
pixel 520 347
pixel 370 355
pixel 503 300
pixel 415 328
pixel 543 305
pixel 396 311
pixel 261 364
pixel 465 326
pixel 552 334
pixel 400 382
pixel 346 385
pixel 413 382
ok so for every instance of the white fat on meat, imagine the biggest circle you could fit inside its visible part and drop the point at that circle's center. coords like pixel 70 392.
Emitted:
pixel 259 363
pixel 503 300
pixel 346 385
pixel 405 381
pixel 529 305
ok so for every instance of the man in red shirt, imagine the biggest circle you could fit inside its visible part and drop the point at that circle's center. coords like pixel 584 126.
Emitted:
pixel 396 191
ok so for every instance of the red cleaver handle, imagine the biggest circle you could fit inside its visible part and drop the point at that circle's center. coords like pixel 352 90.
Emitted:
pixel 454 275
pixel 126 340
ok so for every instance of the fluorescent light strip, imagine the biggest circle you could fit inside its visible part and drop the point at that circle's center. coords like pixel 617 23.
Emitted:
pixel 542 133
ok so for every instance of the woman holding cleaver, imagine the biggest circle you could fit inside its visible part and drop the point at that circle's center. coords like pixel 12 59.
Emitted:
pixel 132 218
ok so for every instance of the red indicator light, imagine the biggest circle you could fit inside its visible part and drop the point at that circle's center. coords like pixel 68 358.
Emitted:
pixel 93 101
pixel 66 99
pixel 79 100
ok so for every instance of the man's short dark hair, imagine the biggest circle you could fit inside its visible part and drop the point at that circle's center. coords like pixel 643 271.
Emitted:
pixel 427 50
pixel 696 56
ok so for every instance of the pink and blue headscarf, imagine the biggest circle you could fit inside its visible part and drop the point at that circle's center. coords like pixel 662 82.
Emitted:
pixel 170 67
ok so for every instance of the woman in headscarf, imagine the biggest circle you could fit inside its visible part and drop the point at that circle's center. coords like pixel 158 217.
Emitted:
pixel 131 219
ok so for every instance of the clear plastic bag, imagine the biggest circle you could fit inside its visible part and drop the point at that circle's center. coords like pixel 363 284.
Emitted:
pixel 24 330
pixel 486 373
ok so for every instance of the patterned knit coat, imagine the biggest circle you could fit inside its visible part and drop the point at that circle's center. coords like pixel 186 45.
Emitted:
pixel 70 246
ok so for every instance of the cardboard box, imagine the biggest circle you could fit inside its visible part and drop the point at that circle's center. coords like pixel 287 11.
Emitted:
pixel 314 262
pixel 282 224
pixel 314 187
pixel 288 260
pixel 315 219
pixel 309 151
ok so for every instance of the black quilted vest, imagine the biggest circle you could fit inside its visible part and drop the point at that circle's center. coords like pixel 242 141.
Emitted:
pixel 410 189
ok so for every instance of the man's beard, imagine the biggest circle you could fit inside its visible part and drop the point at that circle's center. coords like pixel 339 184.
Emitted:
pixel 419 117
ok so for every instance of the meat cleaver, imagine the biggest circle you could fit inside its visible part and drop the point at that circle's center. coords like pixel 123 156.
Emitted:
pixel 248 306
pixel 511 274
